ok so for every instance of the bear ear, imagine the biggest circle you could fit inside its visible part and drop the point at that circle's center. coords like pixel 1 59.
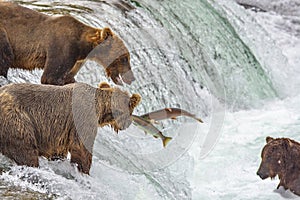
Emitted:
pixel 103 85
pixel 269 139
pixel 290 143
pixel 105 33
pixel 287 143
pixel 134 100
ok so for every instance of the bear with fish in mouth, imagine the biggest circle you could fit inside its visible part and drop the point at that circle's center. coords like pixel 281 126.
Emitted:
pixel 58 45
pixel 50 121
pixel 280 157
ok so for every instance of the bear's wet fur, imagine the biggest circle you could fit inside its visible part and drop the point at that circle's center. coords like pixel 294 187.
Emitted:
pixel 59 45
pixel 281 156
pixel 50 121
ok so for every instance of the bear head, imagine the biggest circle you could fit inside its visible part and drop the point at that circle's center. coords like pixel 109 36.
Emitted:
pixel 118 107
pixel 111 52
pixel 275 156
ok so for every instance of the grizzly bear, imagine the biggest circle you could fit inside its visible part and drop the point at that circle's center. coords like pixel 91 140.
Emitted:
pixel 59 45
pixel 50 121
pixel 281 157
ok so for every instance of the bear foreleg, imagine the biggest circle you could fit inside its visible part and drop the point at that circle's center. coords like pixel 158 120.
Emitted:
pixel 57 67
pixel 82 157
pixel 69 77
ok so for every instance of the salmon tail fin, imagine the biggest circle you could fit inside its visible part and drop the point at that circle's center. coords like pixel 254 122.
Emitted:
pixel 199 120
pixel 166 140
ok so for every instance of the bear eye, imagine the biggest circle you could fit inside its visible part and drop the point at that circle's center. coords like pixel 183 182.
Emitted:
pixel 268 157
pixel 124 60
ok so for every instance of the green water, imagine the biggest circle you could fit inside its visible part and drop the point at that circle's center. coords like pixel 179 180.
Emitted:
pixel 217 56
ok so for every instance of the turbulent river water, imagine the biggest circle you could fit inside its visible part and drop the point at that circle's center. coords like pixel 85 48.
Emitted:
pixel 213 58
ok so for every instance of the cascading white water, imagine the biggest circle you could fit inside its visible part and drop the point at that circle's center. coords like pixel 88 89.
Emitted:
pixel 196 55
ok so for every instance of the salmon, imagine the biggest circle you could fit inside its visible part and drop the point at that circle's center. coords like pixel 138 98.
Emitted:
pixel 168 113
pixel 148 127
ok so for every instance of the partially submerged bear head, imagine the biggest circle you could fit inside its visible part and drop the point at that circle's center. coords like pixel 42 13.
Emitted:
pixel 112 53
pixel 274 156
pixel 118 107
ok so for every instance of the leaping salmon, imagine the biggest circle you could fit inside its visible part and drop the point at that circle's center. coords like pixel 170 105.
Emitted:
pixel 168 113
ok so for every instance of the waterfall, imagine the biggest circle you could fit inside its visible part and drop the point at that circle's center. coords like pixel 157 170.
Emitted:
pixel 196 55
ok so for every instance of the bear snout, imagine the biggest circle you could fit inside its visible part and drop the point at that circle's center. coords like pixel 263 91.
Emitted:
pixel 119 71
pixel 123 122
pixel 128 77
pixel 126 123
pixel 262 173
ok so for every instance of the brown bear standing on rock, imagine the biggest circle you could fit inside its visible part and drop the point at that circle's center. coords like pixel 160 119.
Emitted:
pixel 281 157
pixel 58 44
pixel 50 121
